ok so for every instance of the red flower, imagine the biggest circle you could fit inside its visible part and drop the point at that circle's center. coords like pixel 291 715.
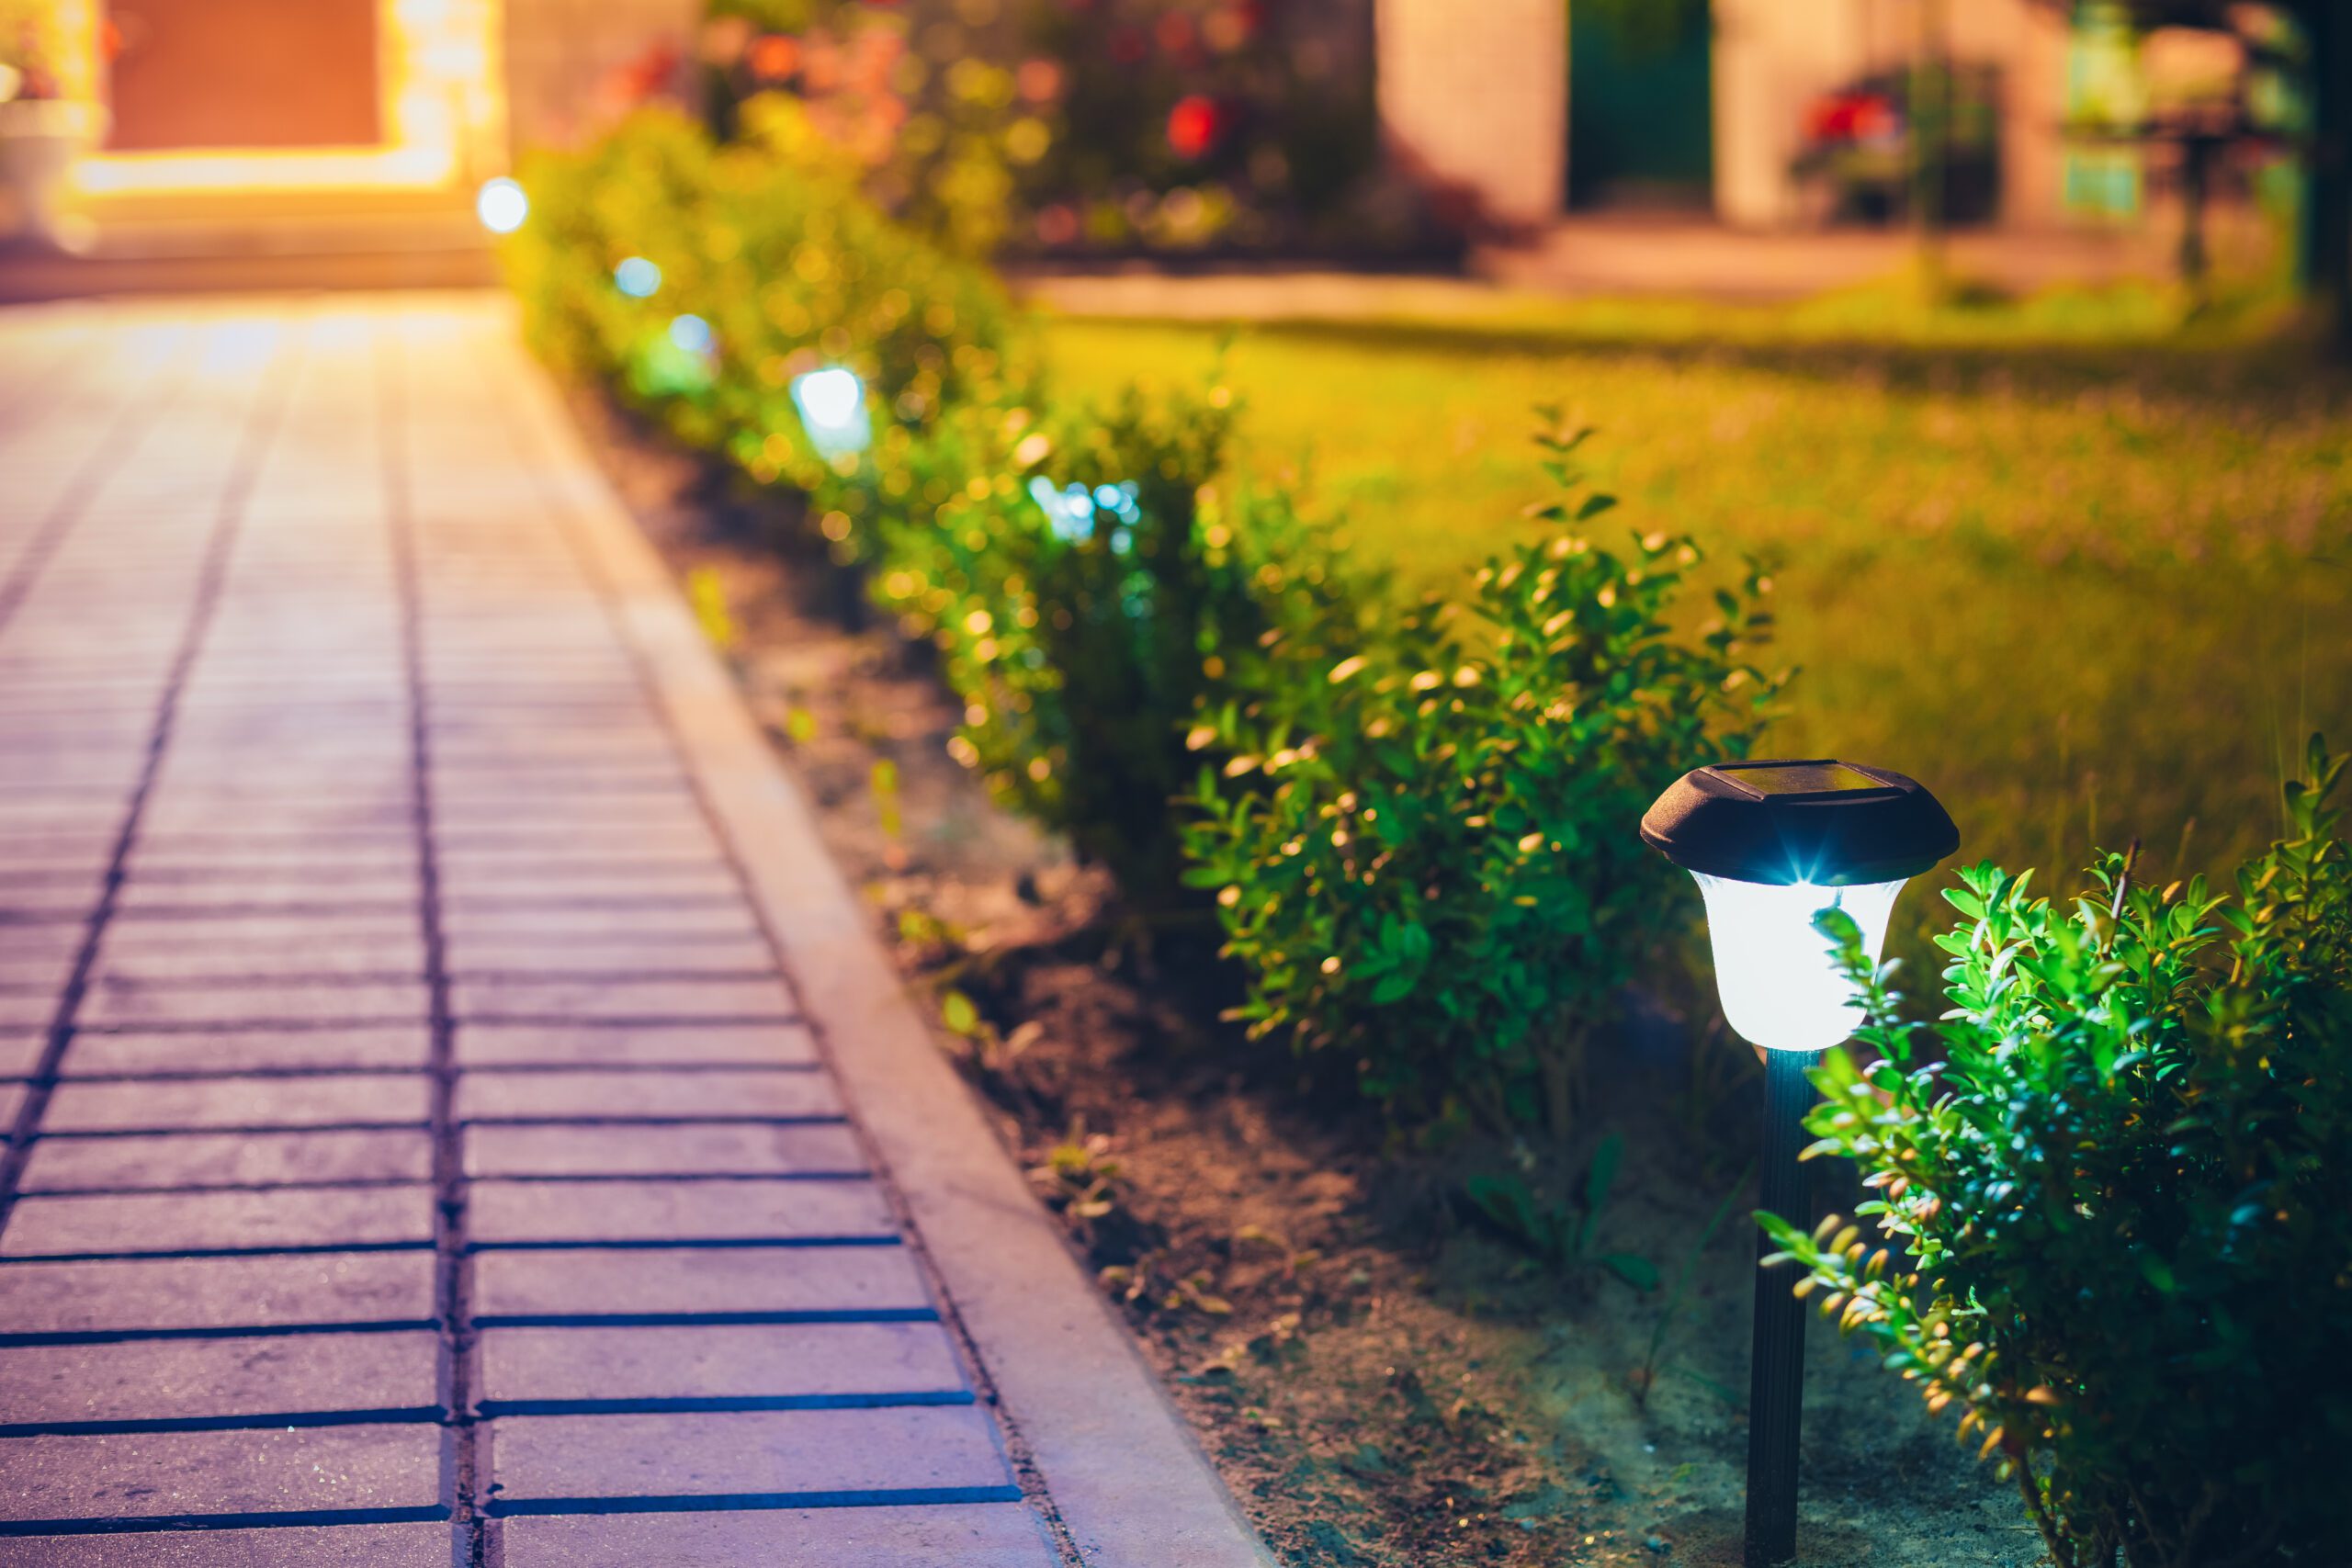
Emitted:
pixel 1193 125
pixel 774 57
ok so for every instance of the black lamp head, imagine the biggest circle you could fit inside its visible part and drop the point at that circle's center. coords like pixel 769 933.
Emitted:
pixel 1813 821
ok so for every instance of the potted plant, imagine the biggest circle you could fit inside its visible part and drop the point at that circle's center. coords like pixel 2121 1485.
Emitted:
pixel 41 129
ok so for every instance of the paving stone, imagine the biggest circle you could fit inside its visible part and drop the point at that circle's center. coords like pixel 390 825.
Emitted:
pixel 267 881
pixel 480 1045
pixel 186 859
pixel 739 1452
pixel 215 1292
pixel 251 1050
pixel 141 1379
pixel 967 1535
pixel 552 1095
pixel 697 1280
pixel 39 973
pixel 520 1211
pixel 539 957
pixel 228 1159
pixel 333 964
pixel 589 880
pixel 130 1004
pixel 741 1149
pixel 176 1221
pixel 419 1545
pixel 557 923
pixel 623 999
pixel 131 937
pixel 165 1474
pixel 20 1050
pixel 192 1104
pixel 809 1360
pixel 522 846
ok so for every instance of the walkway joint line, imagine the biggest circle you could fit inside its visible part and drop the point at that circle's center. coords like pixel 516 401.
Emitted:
pixel 452 1282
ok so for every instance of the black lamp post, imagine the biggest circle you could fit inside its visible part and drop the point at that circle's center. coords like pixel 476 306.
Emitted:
pixel 1773 843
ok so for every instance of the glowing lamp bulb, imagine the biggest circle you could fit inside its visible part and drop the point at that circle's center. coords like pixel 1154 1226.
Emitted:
pixel 502 205
pixel 1774 843
pixel 832 409
pixel 1782 982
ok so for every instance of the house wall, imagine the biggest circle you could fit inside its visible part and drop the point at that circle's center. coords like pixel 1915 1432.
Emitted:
pixel 1474 97
pixel 566 58
pixel 1772 57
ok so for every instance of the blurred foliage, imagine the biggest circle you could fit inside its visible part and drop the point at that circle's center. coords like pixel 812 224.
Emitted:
pixel 768 263
pixel 1059 126
pixel 2115 1192
pixel 1422 846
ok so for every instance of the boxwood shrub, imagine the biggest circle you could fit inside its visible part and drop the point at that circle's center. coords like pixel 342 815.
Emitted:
pixel 2113 1200
pixel 1421 844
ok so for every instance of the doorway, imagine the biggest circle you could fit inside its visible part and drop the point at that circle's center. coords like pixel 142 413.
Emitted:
pixel 243 73
pixel 1641 96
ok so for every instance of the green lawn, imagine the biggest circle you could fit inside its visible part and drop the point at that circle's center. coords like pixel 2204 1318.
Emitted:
pixel 2080 573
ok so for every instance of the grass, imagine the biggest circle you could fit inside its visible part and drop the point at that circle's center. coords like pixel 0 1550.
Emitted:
pixel 2081 570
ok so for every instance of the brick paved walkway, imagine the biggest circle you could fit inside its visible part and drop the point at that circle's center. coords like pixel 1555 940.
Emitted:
pixel 419 1155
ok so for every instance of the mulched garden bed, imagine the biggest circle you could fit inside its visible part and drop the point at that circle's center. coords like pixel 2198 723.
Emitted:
pixel 1381 1375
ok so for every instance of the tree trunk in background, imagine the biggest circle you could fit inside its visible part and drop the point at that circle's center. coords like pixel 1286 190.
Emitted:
pixel 2326 249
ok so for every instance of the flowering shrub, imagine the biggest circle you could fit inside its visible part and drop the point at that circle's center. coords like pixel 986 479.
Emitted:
pixel 2115 1219
pixel 931 132
pixel 1421 845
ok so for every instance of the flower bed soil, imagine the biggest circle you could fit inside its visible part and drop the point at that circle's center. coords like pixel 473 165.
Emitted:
pixel 1382 1380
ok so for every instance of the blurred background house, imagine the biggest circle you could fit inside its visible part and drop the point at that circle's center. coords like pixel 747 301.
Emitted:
pixel 1106 129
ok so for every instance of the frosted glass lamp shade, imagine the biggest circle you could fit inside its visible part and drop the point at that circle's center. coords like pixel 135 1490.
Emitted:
pixel 1773 843
pixel 1780 980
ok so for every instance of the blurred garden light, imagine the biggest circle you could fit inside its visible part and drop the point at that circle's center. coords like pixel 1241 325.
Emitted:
pixel 692 334
pixel 502 205
pixel 1771 845
pixel 1072 509
pixel 637 277
pixel 832 409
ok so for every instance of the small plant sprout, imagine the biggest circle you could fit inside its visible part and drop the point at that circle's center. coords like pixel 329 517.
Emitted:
pixel 832 411
pixel 1773 845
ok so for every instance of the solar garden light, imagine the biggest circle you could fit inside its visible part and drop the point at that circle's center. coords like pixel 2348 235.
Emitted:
pixel 832 409
pixel 1772 844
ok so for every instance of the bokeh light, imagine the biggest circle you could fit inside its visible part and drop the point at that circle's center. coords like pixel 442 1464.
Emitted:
pixel 637 277
pixel 502 205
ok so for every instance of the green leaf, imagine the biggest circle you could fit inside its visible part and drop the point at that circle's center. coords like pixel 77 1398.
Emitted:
pixel 1636 1270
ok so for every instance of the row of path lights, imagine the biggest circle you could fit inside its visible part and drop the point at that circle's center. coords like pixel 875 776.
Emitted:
pixel 1772 844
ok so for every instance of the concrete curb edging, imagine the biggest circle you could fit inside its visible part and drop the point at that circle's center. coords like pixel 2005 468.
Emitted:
pixel 1119 1466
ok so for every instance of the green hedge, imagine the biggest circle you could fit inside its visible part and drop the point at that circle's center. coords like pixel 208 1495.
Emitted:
pixel 1142 634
